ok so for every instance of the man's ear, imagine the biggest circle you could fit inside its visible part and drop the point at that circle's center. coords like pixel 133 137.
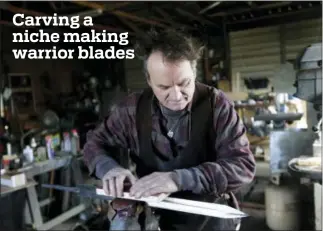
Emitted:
pixel 148 81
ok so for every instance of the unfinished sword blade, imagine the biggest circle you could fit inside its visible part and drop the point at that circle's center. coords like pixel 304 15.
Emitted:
pixel 186 206
pixel 219 207
pixel 161 201
pixel 194 210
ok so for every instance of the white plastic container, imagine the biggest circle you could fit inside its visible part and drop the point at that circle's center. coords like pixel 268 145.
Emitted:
pixel 282 207
pixel 317 148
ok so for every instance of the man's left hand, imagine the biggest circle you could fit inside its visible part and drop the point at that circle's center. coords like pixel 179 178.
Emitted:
pixel 155 183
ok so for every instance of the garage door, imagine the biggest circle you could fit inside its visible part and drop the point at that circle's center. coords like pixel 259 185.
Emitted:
pixel 300 35
pixel 256 52
pixel 259 52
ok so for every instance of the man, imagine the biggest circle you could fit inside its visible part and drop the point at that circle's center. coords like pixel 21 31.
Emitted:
pixel 185 138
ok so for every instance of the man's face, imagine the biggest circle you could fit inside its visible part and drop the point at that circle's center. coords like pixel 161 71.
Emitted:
pixel 173 83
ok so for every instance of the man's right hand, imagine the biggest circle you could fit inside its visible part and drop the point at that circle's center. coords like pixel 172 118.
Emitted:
pixel 113 181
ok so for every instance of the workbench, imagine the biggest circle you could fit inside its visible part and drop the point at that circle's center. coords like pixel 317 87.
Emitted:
pixel 33 205
pixel 12 199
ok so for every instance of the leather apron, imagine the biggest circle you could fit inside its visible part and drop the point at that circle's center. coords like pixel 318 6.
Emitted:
pixel 196 152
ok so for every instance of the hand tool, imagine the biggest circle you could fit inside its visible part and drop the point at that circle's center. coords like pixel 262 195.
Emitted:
pixel 161 201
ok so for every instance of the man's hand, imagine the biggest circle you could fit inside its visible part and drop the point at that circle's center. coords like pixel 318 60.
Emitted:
pixel 155 183
pixel 113 181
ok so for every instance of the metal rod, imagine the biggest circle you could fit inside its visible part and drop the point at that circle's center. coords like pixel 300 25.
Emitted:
pixel 60 187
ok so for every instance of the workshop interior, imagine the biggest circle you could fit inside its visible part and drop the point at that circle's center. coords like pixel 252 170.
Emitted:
pixel 266 56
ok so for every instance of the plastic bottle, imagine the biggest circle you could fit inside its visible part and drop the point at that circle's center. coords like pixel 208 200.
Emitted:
pixel 50 151
pixel 29 154
pixel 33 143
pixel 67 142
pixel 75 142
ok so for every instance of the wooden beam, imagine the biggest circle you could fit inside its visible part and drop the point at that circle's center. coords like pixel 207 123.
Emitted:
pixel 92 5
pixel 104 7
pixel 7 23
pixel 10 24
pixel 116 5
pixel 109 28
pixel 215 4
pixel 132 26
pixel 168 19
pixel 199 18
pixel 93 13
pixel 274 16
pixel 15 9
pixel 121 13
pixel 139 19
pixel 248 9
pixel 52 4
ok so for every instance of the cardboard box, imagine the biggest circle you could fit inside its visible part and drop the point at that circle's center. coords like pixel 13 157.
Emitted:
pixel 235 96
pixel 13 180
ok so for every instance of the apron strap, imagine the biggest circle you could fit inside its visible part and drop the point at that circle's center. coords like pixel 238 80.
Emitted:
pixel 202 110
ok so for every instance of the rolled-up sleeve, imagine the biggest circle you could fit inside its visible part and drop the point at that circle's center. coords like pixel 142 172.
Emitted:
pixel 235 163
pixel 108 136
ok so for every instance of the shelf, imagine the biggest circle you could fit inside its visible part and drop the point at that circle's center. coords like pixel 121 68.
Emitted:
pixel 21 89
pixel 251 106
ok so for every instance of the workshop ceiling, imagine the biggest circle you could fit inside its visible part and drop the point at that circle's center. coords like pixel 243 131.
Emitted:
pixel 195 16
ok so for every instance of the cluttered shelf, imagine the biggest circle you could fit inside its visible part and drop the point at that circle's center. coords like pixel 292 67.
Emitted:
pixel 20 178
pixel 43 152
pixel 24 178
